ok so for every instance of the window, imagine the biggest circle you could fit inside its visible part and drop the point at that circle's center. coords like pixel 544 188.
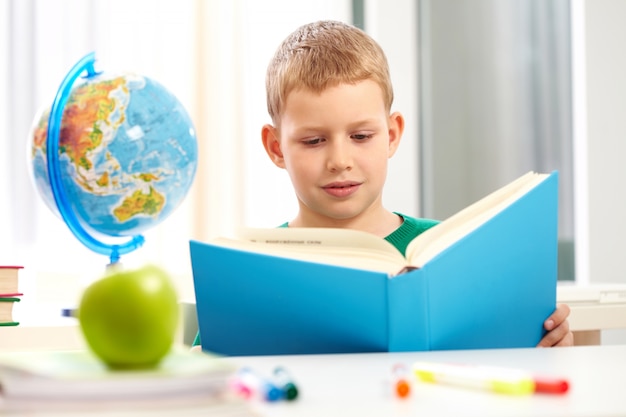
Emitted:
pixel 495 102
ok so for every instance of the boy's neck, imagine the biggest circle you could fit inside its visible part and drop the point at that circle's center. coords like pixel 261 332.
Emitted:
pixel 382 224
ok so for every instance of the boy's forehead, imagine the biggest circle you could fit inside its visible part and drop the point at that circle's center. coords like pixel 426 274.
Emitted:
pixel 303 90
pixel 342 103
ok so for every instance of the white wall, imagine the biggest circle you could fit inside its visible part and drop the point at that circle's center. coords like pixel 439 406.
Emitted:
pixel 606 138
pixel 396 30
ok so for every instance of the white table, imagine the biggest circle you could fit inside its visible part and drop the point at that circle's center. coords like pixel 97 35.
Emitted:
pixel 359 384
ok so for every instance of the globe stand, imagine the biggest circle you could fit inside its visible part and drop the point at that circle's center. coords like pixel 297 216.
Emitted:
pixel 113 251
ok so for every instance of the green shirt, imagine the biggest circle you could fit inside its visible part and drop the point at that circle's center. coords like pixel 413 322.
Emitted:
pixel 400 238
pixel 408 230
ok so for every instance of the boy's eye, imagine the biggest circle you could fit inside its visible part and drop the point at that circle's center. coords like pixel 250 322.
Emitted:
pixel 313 141
pixel 362 136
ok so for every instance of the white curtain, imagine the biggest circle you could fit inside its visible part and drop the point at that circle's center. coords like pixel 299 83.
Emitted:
pixel 211 54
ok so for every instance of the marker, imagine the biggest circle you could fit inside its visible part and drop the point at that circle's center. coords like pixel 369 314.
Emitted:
pixel 400 383
pixel 240 388
pixel 285 383
pixel 69 312
pixel 251 382
pixel 545 385
pixel 500 380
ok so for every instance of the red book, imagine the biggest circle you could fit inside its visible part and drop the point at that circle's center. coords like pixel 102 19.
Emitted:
pixel 8 279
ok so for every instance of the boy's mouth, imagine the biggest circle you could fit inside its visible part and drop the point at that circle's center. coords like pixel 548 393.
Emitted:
pixel 341 189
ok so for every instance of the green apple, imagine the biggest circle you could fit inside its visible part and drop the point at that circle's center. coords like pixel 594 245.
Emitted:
pixel 129 317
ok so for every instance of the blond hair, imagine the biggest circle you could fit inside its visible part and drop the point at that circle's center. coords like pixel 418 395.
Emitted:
pixel 324 54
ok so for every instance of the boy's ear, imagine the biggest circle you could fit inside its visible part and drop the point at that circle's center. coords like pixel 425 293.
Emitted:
pixel 269 135
pixel 396 128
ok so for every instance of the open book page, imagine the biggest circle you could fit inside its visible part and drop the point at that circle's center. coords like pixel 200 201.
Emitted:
pixel 343 247
pixel 361 250
pixel 433 241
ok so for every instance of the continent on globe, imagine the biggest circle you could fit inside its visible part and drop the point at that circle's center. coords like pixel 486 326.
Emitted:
pixel 140 203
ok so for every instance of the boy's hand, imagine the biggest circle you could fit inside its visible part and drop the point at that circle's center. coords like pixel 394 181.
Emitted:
pixel 558 328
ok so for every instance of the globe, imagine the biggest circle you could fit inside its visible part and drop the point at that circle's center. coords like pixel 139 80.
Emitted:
pixel 113 156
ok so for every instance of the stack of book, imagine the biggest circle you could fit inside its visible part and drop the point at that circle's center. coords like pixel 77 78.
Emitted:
pixel 9 294
pixel 62 382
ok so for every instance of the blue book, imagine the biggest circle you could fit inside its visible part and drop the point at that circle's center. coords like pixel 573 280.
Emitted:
pixel 484 278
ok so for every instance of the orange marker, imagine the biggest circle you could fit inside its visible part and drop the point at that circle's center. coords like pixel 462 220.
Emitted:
pixel 400 383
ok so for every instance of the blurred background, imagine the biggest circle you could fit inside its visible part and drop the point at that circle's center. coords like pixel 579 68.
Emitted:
pixel 489 89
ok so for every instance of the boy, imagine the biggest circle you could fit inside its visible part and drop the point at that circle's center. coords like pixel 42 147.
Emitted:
pixel 329 95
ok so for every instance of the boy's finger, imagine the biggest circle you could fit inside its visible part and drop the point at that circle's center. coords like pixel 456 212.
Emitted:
pixel 559 315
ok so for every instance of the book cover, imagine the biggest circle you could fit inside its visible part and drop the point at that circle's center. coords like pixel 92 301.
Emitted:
pixel 490 287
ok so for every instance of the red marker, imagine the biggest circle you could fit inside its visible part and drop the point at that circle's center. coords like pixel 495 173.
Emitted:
pixel 546 385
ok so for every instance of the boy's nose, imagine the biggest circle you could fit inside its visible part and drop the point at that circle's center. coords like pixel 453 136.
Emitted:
pixel 339 157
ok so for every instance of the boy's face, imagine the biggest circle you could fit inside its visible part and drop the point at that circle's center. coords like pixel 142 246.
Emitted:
pixel 335 146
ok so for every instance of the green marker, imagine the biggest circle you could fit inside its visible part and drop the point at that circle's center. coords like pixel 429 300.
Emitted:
pixel 285 384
